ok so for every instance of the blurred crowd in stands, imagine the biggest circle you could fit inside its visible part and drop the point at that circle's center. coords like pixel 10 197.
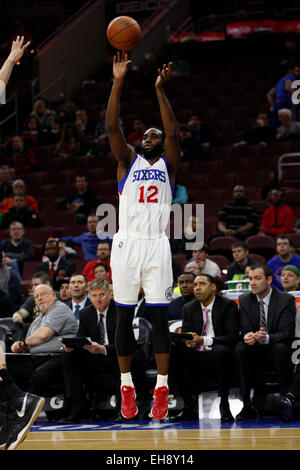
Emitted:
pixel 69 263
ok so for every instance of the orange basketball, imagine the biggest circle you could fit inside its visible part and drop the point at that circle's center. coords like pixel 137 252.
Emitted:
pixel 123 33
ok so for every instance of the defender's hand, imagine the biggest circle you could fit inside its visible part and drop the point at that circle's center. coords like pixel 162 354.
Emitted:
pixel 17 49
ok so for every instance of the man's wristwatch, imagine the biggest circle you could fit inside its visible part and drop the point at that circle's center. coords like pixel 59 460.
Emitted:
pixel 25 344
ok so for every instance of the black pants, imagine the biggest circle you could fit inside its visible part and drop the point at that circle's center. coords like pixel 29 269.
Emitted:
pixel 36 374
pixel 252 359
pixel 192 370
pixel 83 368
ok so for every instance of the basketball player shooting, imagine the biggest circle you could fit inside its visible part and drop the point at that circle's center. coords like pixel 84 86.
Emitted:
pixel 141 253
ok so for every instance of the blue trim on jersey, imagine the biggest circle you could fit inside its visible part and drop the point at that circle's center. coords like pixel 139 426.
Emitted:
pixel 156 305
pixel 125 305
pixel 172 189
pixel 123 181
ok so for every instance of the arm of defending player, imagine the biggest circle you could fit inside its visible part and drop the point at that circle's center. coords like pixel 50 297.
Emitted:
pixel 17 51
pixel 123 152
pixel 172 147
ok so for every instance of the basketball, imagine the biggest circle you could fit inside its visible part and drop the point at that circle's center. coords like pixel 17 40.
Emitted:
pixel 123 33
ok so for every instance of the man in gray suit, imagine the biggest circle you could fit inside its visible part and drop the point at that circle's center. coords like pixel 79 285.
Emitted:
pixel 267 328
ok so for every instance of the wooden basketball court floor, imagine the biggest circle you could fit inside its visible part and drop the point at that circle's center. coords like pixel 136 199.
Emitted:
pixel 262 434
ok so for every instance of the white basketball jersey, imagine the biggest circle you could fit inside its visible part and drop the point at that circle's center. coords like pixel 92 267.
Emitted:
pixel 145 196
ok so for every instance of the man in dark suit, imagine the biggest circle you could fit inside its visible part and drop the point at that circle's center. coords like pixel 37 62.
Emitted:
pixel 267 328
pixel 81 365
pixel 55 262
pixel 79 288
pixel 186 285
pixel 214 324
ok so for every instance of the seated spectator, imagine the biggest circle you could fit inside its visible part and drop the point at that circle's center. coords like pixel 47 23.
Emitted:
pixel 203 133
pixel 206 265
pixel 290 278
pixel 267 319
pixel 189 146
pixel 280 96
pixel 103 256
pixel 100 134
pixel 289 129
pixel 261 132
pixel 286 256
pixel 89 240
pixel 237 218
pixel 18 156
pixel 71 141
pixel 186 285
pixel 56 320
pixel 30 133
pixel 136 136
pixel 19 187
pixel 79 289
pixel 82 201
pixel 279 217
pixel 82 122
pixel 28 311
pixel 64 289
pixel 52 261
pixel 214 323
pixel 17 248
pixel 237 269
pixel 19 212
pixel 98 322
pixel 101 271
pixel 10 288
pixel 192 267
pixel 6 182
pixel 43 116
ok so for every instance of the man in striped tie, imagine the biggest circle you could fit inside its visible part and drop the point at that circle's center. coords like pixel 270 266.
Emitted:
pixel 81 366
pixel 267 329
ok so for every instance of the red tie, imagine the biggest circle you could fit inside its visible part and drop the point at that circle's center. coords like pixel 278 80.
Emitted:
pixel 52 270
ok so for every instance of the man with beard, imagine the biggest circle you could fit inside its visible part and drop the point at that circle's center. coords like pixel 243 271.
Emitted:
pixel 53 261
pixel 238 218
pixel 141 255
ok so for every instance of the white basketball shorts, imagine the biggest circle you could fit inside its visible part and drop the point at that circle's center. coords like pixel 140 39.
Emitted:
pixel 145 263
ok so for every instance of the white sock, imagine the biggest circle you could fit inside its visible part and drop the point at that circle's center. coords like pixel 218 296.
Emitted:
pixel 126 380
pixel 161 381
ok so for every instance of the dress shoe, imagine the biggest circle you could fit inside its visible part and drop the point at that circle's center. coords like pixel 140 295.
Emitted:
pixel 225 413
pixel 185 415
pixel 247 412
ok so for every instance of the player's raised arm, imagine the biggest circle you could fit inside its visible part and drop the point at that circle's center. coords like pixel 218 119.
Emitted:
pixel 123 152
pixel 17 50
pixel 172 148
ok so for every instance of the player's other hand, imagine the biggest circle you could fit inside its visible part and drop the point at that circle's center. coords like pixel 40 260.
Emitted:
pixel 164 75
pixel 17 49
pixel 120 65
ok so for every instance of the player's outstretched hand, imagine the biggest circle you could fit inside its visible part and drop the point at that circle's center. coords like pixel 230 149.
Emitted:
pixel 164 75
pixel 17 49
pixel 120 65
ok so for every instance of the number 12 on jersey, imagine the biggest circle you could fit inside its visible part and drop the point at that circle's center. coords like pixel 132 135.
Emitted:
pixel 151 192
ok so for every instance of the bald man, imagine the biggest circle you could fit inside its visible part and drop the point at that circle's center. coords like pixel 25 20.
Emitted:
pixel 56 320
